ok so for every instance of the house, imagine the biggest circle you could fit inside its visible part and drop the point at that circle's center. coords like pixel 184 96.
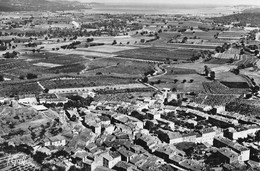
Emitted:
pixel 153 115
pixel 191 165
pixel 242 132
pixel 191 137
pixel 110 159
pixel 165 152
pixel 126 155
pixel 226 155
pixel 56 141
pixel 169 136
pixel 207 136
pixel 28 100
pixel 92 162
pixel 243 152
pixel 52 98
pixel 125 166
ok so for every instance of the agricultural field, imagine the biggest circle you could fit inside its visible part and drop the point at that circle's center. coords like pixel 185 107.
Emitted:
pixel 247 61
pixel 232 34
pixel 219 100
pixel 219 61
pixel 7 89
pixel 157 54
pixel 123 67
pixel 42 64
pixel 191 46
pixel 179 71
pixel 201 34
pixel 93 81
pixel 109 48
pixel 216 87
pixel 181 82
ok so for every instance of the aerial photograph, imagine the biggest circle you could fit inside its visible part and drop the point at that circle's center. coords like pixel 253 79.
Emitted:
pixel 129 85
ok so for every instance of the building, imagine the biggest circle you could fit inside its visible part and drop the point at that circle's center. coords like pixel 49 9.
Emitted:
pixel 243 152
pixel 235 134
pixel 110 159
pixel 56 141
pixel 226 155
pixel 207 136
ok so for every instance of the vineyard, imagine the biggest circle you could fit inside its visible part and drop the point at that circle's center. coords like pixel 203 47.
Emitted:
pixel 218 88
pixel 246 60
pixel 218 100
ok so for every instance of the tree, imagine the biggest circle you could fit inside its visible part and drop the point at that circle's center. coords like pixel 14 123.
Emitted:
pixel 206 70
pixel 212 75
pixel 184 40
pixel 21 77
pixel 1 78
pixel 114 42
pixel 31 76
pixel 257 136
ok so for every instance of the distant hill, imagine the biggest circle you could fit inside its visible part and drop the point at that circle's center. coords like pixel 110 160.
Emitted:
pixel 252 10
pixel 243 18
pixel 36 5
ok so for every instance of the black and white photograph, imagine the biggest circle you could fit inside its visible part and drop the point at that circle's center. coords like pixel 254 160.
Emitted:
pixel 129 85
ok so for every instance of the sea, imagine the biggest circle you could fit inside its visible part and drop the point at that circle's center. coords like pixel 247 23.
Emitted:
pixel 168 9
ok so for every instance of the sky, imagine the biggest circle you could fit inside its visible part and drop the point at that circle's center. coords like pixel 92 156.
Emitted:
pixel 206 2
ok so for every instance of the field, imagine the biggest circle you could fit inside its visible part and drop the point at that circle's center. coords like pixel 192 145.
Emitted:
pixel 232 34
pixel 42 64
pixel 219 61
pixel 201 34
pixel 168 81
pixel 121 68
pixel 247 61
pixel 218 100
pixel 179 71
pixel 93 81
pixel 109 48
pixel 157 54
pixel 216 87
pixel 19 89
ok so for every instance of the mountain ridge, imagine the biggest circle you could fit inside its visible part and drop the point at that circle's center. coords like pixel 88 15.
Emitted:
pixel 40 5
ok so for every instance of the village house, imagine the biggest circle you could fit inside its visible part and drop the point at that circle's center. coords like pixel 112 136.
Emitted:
pixel 226 155
pixel 243 152
pixel 56 141
pixel 110 159
pixel 242 132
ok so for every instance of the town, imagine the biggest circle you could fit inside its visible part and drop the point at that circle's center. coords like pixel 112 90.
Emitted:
pixel 82 90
